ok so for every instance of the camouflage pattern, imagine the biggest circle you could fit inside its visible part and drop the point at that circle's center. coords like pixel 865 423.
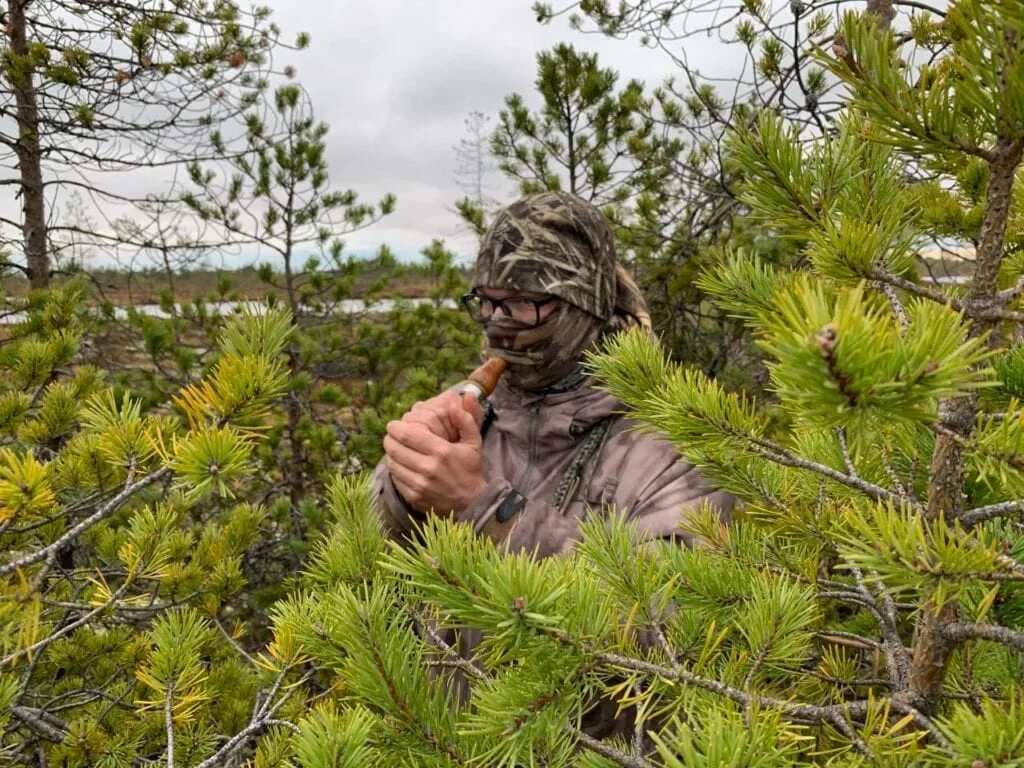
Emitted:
pixel 544 355
pixel 557 243
pixel 631 310
pixel 551 242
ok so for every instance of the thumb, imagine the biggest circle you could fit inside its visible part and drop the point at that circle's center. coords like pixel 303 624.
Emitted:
pixel 472 406
pixel 469 426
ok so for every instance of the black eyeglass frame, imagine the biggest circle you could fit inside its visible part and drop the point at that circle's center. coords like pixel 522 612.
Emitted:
pixel 473 302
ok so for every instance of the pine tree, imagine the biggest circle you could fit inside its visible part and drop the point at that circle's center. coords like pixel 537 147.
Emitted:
pixel 103 87
pixel 579 139
pixel 121 626
pixel 864 608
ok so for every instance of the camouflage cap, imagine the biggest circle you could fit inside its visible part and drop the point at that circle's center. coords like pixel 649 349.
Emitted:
pixel 551 242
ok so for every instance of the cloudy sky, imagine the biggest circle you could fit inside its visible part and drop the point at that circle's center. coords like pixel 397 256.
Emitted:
pixel 396 80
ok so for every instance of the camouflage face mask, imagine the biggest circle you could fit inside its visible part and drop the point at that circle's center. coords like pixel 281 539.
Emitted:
pixel 542 355
pixel 555 243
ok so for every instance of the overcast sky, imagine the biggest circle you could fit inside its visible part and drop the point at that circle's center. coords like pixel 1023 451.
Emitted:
pixel 396 80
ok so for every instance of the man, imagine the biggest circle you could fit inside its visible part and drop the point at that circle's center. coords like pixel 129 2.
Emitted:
pixel 550 448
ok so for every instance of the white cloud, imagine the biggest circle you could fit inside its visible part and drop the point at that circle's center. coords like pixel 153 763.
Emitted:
pixel 395 80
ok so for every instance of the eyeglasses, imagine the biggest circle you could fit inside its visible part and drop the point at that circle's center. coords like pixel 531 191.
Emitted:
pixel 525 310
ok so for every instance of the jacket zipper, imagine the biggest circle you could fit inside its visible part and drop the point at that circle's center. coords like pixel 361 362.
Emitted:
pixel 531 451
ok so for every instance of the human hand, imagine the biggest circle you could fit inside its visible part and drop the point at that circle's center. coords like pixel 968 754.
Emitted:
pixel 434 454
pixel 441 414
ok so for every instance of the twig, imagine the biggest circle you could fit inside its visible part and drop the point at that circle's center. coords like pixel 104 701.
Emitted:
pixel 811 712
pixel 886 277
pixel 105 511
pixel 896 304
pixel 959 631
pixel 600 748
pixel 844 727
pixel 233 643
pixel 454 658
pixel 67 628
pixel 169 723
pixel 780 455
pixel 894 477
pixel 980 514
pixel 897 656
pixel 851 640
pixel 847 459
pixel 261 720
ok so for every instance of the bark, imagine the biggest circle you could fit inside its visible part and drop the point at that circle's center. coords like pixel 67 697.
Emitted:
pixel 884 10
pixel 33 204
pixel 933 645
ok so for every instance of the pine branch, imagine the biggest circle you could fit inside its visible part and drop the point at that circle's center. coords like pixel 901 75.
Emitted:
pixel 811 712
pixel 959 632
pixel 1005 297
pixel 262 719
pixel 980 514
pixel 600 748
pixel 776 453
pixel 454 658
pixel 457 661
pixel 42 644
pixel 233 643
pixel 103 512
pixel 35 719
pixel 886 277
pixel 897 306
pixel 847 459
pixel 896 654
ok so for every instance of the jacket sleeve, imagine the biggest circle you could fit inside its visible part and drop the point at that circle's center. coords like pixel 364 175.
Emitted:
pixel 398 518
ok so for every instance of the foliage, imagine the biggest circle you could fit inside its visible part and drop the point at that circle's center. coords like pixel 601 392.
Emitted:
pixel 864 607
pixel 124 548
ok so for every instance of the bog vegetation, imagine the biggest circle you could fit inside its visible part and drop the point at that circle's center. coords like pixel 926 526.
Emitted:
pixel 192 573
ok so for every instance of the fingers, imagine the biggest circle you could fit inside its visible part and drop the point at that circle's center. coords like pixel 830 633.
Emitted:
pixel 444 415
pixel 434 414
pixel 433 421
pixel 408 482
pixel 417 438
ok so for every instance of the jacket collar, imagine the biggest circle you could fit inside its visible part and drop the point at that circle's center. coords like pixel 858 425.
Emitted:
pixel 561 418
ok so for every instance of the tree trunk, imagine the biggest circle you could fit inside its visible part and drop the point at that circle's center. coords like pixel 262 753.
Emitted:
pixel 884 10
pixel 33 205
pixel 932 648
pixel 298 460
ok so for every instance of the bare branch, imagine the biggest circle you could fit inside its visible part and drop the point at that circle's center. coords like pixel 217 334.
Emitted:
pixel 959 631
pixel 980 514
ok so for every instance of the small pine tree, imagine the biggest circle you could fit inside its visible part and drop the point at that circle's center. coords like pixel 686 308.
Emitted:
pixel 121 631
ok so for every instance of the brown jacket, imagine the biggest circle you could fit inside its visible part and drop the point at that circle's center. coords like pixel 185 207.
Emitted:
pixel 528 447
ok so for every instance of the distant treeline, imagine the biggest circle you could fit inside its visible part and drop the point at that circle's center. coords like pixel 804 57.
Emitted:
pixel 149 285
